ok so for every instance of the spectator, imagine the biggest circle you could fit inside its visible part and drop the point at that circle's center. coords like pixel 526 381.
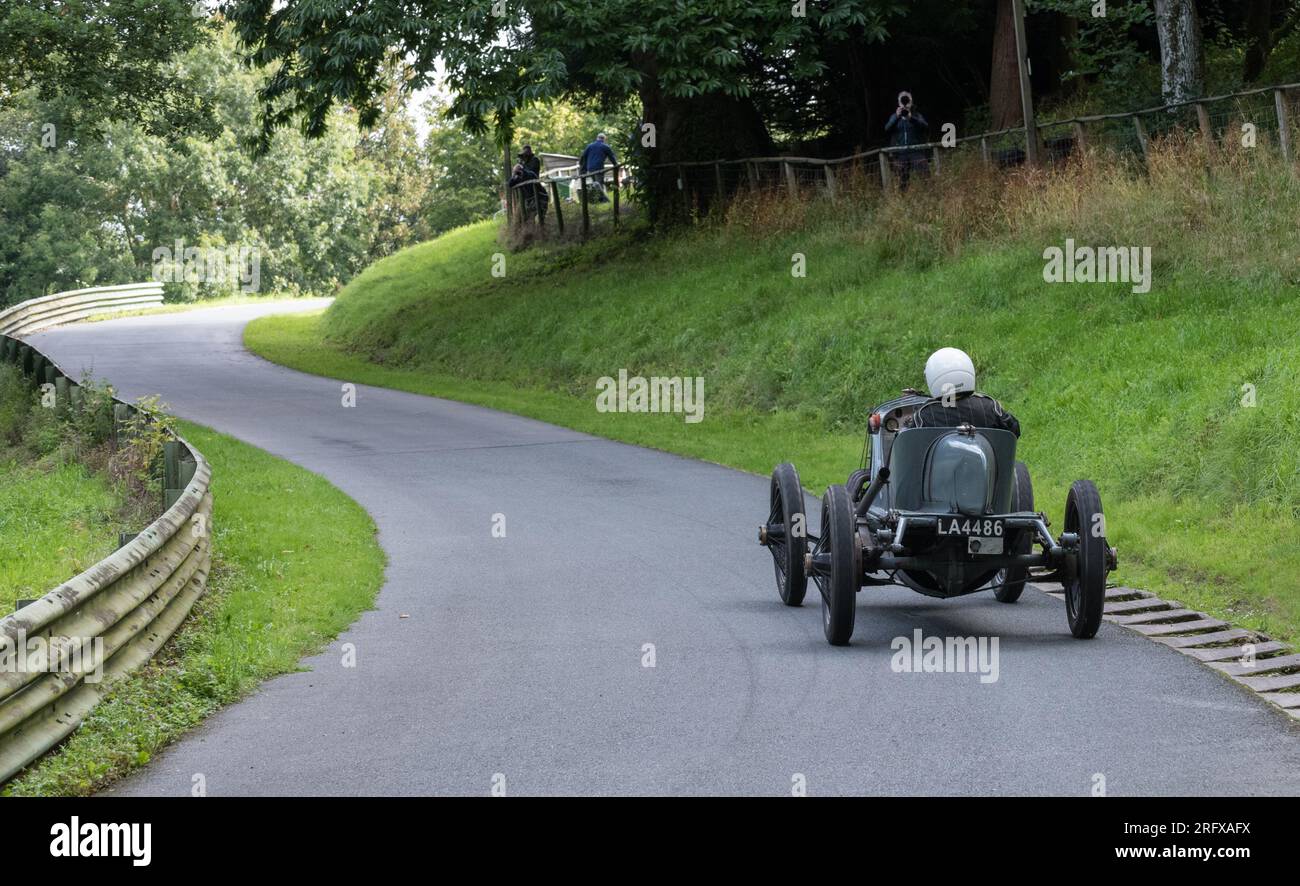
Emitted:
pixel 906 126
pixel 531 161
pixel 534 195
pixel 593 160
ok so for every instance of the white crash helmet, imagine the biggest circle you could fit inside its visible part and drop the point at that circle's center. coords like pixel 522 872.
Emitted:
pixel 949 370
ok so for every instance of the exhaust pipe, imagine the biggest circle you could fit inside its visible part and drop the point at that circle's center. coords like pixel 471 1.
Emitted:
pixel 877 483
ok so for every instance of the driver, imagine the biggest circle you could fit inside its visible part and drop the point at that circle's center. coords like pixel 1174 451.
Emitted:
pixel 950 375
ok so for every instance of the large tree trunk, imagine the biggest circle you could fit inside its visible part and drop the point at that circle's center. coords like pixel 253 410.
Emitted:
pixel 1259 38
pixel 706 127
pixel 1004 78
pixel 1182 62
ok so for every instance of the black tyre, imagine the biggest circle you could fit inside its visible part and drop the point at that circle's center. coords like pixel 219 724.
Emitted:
pixel 1011 581
pixel 790 543
pixel 857 484
pixel 1085 591
pixel 839 588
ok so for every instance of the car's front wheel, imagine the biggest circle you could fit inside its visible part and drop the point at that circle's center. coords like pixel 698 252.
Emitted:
pixel 786 534
pixel 839 582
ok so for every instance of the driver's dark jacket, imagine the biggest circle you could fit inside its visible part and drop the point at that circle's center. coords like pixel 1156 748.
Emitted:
pixel 972 408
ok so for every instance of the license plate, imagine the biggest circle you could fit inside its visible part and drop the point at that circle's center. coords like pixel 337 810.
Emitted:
pixel 972 527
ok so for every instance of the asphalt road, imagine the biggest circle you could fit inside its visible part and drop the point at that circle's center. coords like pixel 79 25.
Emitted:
pixel 524 656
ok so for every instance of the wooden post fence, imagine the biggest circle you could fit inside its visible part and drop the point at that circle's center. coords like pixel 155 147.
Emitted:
pixel 617 184
pixel 1283 125
pixel 559 211
pixel 1141 134
pixel 586 213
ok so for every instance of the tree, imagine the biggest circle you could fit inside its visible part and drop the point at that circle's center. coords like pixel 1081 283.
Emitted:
pixel 1182 59
pixel 1267 23
pixel 692 63
pixel 91 210
pixel 1004 78
pixel 110 59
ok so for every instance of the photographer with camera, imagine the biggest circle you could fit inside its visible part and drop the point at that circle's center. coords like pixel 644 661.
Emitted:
pixel 906 126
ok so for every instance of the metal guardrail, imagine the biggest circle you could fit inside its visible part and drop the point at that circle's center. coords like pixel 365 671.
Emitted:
pixel 112 618
pixel 65 307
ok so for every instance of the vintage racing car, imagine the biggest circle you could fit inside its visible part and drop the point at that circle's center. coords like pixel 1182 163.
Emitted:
pixel 945 511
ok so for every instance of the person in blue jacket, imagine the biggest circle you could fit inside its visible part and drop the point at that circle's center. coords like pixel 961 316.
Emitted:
pixel 593 160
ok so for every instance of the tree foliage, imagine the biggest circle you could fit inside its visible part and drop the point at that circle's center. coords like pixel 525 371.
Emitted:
pixel 499 57
pixel 107 59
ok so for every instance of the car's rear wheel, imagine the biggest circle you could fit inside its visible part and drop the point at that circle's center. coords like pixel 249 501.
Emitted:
pixel 1085 590
pixel 1010 582
pixel 786 534
pixel 839 583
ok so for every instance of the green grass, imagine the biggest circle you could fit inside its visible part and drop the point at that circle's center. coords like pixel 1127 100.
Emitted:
pixel 56 520
pixel 1141 393
pixel 282 587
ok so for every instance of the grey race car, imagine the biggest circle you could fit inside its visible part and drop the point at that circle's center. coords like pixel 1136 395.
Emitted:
pixel 944 511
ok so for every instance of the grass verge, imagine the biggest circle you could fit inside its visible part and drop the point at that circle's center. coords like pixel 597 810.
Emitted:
pixel 296 562
pixel 56 520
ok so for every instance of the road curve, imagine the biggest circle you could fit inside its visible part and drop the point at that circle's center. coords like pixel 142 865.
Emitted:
pixel 524 656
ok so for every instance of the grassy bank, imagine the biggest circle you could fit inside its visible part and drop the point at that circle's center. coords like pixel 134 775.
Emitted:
pixel 282 586
pixel 1144 393
pixel 56 520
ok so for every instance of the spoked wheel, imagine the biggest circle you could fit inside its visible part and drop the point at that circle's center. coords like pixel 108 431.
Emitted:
pixel 835 556
pixel 857 484
pixel 786 534
pixel 1085 590
pixel 1011 580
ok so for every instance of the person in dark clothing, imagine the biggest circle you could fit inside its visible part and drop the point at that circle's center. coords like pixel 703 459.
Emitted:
pixel 593 160
pixel 534 195
pixel 530 161
pixel 907 126
pixel 950 376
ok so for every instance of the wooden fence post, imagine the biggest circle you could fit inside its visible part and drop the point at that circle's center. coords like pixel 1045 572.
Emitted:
pixel 616 190
pixel 791 182
pixel 717 177
pixel 559 212
pixel 1080 137
pixel 1203 120
pixel 586 213
pixel 753 175
pixel 1283 125
pixel 936 160
pixel 830 180
pixel 510 196
pixel 984 150
pixel 1141 134
pixel 884 170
